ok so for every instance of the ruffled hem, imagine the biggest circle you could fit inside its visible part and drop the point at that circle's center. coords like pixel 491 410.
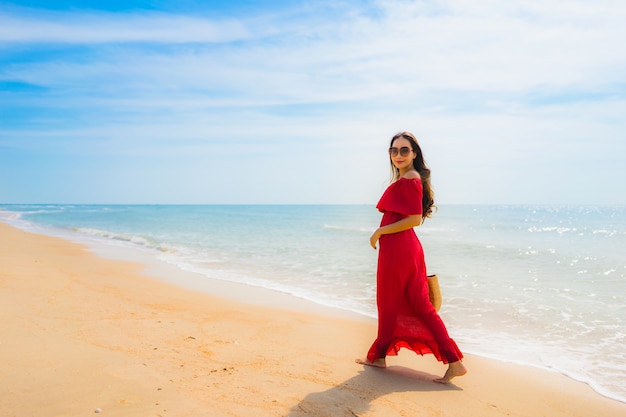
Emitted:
pixel 451 353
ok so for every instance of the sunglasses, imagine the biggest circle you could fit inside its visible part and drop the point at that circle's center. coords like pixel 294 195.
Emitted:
pixel 403 151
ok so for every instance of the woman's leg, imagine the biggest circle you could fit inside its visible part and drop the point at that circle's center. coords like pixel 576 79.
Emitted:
pixel 448 348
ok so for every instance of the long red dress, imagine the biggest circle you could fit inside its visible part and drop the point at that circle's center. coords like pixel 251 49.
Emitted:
pixel 406 318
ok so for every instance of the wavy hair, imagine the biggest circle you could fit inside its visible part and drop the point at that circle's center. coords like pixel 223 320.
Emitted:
pixel 428 197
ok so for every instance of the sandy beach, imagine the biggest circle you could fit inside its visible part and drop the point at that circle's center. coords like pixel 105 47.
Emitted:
pixel 81 334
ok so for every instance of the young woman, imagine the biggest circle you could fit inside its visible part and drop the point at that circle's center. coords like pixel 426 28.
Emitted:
pixel 406 318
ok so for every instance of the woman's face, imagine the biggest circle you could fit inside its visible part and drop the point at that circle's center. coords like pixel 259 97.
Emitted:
pixel 401 154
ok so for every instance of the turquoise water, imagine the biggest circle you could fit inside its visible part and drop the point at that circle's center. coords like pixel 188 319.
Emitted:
pixel 544 286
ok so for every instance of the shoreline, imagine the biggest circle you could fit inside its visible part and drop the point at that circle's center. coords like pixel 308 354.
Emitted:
pixel 246 293
pixel 196 281
pixel 112 334
pixel 266 297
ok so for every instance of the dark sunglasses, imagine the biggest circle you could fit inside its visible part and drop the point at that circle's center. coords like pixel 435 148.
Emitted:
pixel 404 151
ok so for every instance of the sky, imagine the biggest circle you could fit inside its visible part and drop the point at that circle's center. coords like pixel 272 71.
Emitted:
pixel 294 102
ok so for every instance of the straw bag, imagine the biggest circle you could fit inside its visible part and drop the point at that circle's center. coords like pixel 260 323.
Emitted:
pixel 434 292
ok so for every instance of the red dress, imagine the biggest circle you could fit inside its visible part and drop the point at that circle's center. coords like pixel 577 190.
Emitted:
pixel 406 318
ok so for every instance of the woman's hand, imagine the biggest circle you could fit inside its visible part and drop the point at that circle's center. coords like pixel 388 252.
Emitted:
pixel 374 238
pixel 408 222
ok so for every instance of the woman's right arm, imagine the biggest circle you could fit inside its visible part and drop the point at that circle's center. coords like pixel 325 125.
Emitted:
pixel 407 223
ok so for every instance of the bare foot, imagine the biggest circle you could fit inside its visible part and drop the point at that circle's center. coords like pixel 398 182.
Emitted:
pixel 454 369
pixel 378 363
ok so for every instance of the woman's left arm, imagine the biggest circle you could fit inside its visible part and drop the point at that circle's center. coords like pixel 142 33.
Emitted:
pixel 407 223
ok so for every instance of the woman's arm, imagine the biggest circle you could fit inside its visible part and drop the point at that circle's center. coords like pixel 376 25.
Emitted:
pixel 408 222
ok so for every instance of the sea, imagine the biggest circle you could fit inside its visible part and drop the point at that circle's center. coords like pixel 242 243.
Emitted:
pixel 543 286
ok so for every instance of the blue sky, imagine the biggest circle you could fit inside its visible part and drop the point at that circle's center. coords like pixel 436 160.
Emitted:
pixel 514 102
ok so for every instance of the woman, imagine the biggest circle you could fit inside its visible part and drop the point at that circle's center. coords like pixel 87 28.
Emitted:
pixel 406 318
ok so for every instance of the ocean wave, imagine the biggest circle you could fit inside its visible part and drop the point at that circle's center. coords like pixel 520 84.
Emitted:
pixel 348 229
pixel 9 215
pixel 605 232
pixel 559 230
pixel 122 237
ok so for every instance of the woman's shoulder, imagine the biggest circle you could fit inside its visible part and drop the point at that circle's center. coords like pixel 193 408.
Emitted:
pixel 411 175
pixel 403 196
pixel 410 181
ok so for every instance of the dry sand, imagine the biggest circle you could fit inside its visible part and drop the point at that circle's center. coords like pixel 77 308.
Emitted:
pixel 81 334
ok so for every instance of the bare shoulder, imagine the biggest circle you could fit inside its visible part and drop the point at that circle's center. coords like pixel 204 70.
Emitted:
pixel 411 175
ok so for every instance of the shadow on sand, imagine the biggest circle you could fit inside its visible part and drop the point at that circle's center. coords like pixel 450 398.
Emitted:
pixel 353 397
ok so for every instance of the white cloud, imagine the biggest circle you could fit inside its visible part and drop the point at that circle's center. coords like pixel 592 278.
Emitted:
pixel 405 52
pixel 494 89
pixel 31 26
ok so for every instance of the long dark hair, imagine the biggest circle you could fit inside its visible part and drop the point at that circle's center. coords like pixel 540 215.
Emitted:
pixel 428 197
